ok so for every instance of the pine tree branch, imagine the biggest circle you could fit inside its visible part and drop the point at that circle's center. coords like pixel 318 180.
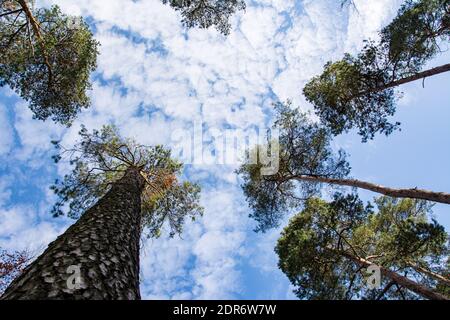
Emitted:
pixel 429 273
pixel 10 12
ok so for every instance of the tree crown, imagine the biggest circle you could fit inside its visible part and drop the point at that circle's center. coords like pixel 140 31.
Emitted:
pixel 102 157
pixel 399 236
pixel 357 91
pixel 46 57
pixel 305 150
pixel 413 37
pixel 207 13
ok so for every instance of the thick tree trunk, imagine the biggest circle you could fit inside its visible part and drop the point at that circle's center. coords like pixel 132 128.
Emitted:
pixel 103 244
pixel 417 76
pixel 405 282
pixel 440 197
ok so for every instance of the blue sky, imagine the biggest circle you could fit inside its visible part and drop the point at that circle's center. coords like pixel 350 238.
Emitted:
pixel 155 78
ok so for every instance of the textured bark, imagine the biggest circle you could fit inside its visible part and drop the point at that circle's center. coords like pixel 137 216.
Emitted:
pixel 104 243
pixel 415 193
pixel 405 282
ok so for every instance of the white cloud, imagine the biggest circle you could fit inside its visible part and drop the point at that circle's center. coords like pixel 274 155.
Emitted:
pixel 368 18
pixel 6 132
pixel 34 136
pixel 203 263
pixel 5 192
pixel 20 229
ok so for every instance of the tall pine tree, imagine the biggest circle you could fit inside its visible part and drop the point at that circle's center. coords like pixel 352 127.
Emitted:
pixel 46 57
pixel 358 91
pixel 118 190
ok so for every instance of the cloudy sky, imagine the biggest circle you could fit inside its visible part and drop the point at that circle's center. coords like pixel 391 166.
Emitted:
pixel 155 78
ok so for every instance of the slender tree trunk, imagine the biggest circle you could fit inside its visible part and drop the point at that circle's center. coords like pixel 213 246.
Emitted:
pixel 429 273
pixel 103 245
pixel 417 76
pixel 415 193
pixel 405 282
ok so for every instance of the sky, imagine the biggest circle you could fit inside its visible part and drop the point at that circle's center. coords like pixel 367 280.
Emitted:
pixel 156 79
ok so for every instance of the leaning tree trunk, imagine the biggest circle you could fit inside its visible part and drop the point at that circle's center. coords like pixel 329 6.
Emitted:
pixel 418 76
pixel 103 245
pixel 415 77
pixel 414 193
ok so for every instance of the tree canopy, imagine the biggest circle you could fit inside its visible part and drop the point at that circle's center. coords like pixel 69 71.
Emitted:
pixel 321 248
pixel 413 38
pixel 358 91
pixel 101 158
pixel 46 57
pixel 207 13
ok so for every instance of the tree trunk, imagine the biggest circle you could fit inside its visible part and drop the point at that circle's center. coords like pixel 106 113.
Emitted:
pixel 103 244
pixel 405 282
pixel 31 19
pixel 429 273
pixel 415 77
pixel 415 193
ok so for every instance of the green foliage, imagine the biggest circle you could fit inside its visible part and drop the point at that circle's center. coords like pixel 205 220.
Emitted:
pixel 312 249
pixel 47 59
pixel 305 150
pixel 178 202
pixel 345 95
pixel 413 37
pixel 101 158
pixel 207 13
pixel 355 92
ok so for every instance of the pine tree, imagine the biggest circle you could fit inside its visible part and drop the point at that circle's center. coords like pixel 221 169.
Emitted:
pixel 46 57
pixel 358 91
pixel 327 248
pixel 307 162
pixel 119 190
